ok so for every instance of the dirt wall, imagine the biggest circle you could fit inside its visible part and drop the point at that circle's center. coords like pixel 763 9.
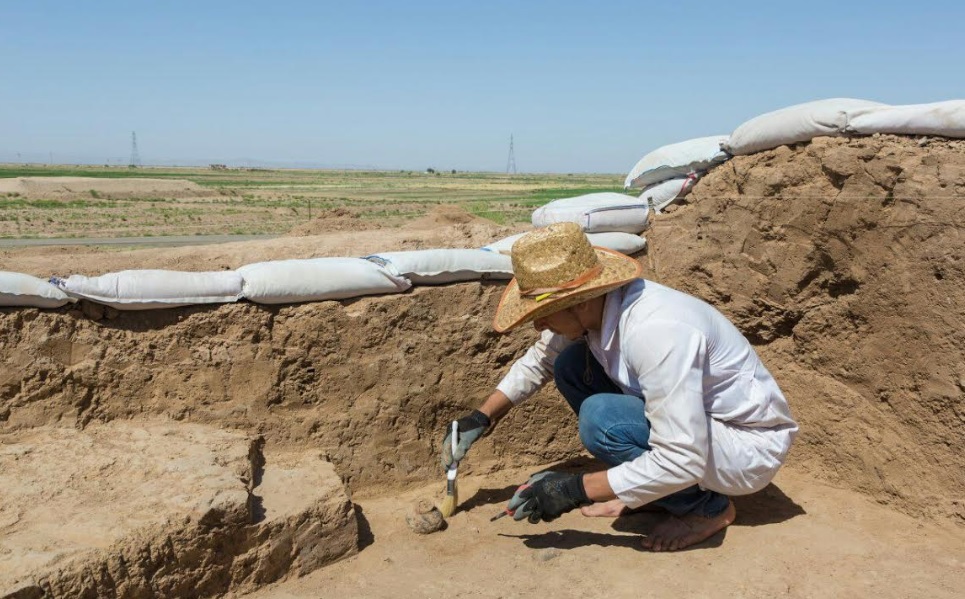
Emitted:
pixel 843 260
pixel 371 381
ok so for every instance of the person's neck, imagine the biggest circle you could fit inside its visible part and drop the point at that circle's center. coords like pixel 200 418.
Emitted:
pixel 593 319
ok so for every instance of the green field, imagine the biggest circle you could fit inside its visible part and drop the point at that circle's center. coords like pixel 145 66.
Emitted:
pixel 264 201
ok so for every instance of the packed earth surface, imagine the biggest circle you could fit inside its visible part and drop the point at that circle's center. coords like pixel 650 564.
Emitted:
pixel 277 451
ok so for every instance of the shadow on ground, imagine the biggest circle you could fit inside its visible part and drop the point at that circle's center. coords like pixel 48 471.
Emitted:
pixel 571 539
pixel 768 506
pixel 366 536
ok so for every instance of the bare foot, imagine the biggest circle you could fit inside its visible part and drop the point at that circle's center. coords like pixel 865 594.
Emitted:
pixel 675 533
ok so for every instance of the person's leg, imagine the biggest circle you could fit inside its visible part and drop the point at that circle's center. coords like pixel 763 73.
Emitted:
pixel 614 428
pixel 578 375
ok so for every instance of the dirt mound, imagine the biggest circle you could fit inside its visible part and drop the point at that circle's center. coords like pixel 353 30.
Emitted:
pixel 439 217
pixel 73 187
pixel 447 214
pixel 334 219
pixel 843 259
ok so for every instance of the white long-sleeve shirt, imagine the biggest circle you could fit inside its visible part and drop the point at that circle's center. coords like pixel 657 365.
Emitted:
pixel 717 417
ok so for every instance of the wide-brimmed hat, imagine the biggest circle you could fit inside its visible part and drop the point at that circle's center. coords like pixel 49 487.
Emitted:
pixel 555 268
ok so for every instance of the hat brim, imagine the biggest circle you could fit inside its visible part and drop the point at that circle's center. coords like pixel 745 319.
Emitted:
pixel 514 309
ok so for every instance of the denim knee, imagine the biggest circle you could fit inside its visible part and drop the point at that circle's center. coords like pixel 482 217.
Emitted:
pixel 613 427
pixel 592 425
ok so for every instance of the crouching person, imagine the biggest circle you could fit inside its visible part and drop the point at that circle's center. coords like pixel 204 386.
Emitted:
pixel 668 393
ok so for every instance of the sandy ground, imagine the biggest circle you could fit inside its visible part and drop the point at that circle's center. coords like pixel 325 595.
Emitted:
pixel 797 538
pixel 66 187
pixel 445 226
pixel 840 260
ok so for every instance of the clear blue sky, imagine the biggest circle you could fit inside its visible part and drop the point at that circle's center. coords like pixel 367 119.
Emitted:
pixel 583 86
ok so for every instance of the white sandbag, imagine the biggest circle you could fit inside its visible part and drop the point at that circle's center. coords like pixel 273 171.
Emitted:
pixel 440 266
pixel 662 194
pixel 679 159
pixel 596 213
pixel 150 289
pixel 801 122
pixel 946 119
pixel 625 243
pixel 316 279
pixel 17 289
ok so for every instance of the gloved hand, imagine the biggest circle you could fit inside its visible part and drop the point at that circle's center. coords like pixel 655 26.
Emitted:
pixel 470 428
pixel 547 495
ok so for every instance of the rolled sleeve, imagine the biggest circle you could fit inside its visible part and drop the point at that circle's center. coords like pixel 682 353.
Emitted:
pixel 529 373
pixel 668 359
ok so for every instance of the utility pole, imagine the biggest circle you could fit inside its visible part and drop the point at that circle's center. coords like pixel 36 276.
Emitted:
pixel 511 162
pixel 135 157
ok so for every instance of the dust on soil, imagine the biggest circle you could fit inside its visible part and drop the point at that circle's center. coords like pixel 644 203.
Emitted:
pixel 87 187
pixel 444 227
pixel 841 260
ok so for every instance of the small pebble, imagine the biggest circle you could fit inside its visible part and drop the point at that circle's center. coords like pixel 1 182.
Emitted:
pixel 545 555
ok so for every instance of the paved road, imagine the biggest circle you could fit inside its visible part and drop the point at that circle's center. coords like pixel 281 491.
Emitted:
pixel 134 241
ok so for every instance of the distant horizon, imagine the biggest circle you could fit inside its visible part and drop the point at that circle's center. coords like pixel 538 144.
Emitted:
pixel 429 84
pixel 268 165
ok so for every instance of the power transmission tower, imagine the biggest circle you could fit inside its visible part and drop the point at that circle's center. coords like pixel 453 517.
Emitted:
pixel 511 163
pixel 135 157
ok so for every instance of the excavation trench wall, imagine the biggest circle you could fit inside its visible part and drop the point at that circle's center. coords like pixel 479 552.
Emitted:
pixel 371 382
pixel 841 260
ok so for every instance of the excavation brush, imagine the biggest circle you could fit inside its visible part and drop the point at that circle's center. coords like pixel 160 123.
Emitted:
pixel 449 505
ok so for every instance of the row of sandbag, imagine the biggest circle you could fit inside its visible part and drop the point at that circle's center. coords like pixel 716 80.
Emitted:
pixel 665 175
pixel 669 172
pixel 281 281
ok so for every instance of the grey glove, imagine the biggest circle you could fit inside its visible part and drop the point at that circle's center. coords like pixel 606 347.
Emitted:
pixel 470 428
pixel 546 496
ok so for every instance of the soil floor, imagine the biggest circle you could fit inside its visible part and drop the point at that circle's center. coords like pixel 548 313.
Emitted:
pixel 797 538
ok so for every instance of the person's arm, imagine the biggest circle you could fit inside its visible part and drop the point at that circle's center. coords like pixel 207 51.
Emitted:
pixel 533 370
pixel 524 378
pixel 597 486
pixel 495 407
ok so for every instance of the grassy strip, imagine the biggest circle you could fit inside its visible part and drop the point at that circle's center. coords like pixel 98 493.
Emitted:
pixel 262 201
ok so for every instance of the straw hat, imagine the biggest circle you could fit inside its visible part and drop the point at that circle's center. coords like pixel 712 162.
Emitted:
pixel 555 268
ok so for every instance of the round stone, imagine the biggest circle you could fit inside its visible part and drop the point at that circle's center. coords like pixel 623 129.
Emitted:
pixel 424 517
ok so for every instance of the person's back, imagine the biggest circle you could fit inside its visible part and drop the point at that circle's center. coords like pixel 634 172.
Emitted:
pixel 738 388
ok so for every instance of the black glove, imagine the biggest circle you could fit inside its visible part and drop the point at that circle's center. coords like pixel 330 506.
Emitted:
pixel 470 428
pixel 547 495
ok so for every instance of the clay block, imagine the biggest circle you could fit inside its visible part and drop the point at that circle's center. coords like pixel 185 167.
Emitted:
pixel 159 509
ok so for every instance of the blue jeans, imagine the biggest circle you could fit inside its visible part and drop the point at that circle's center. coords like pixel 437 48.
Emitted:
pixel 614 428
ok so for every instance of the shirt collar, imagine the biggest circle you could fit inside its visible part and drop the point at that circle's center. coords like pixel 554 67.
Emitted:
pixel 612 309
